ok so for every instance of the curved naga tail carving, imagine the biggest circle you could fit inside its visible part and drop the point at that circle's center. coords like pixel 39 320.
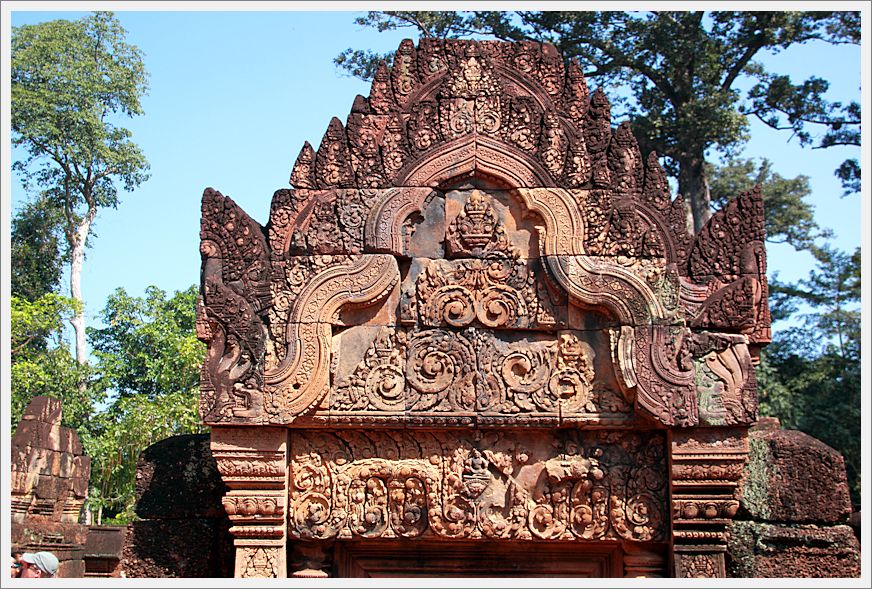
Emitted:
pixel 302 379
pixel 383 231
pixel 665 375
pixel 584 278
pixel 664 383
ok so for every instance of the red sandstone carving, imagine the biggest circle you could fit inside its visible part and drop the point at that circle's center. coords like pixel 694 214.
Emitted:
pixel 477 250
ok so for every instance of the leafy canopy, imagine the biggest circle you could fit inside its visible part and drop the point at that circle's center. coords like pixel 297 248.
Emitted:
pixel 813 373
pixel 148 346
pixel 41 363
pixel 789 217
pixel 37 254
pixel 148 361
pixel 71 82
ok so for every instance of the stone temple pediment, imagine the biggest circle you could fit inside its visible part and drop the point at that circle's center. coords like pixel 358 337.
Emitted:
pixel 478 313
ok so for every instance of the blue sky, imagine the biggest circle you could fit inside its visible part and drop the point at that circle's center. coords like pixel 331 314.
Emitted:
pixel 235 94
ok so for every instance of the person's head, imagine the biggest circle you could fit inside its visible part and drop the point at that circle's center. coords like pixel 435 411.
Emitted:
pixel 16 563
pixel 39 564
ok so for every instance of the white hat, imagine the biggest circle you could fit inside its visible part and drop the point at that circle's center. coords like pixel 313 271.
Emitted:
pixel 45 561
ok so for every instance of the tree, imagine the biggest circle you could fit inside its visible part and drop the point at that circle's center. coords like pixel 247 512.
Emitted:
pixel 41 363
pixel 684 70
pixel 36 251
pixel 814 383
pixel 147 360
pixel 789 218
pixel 71 82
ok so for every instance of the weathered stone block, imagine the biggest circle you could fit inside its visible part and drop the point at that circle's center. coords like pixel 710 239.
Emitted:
pixel 793 477
pixel 767 550
pixel 49 480
pixel 102 553
pixel 168 548
pixel 178 478
pixel 52 487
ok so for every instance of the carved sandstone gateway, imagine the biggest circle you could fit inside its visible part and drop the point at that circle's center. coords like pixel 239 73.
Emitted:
pixel 476 326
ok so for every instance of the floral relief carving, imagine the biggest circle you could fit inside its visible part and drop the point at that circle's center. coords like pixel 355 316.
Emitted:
pixel 424 126
pixel 524 125
pixel 472 269
pixel 593 486
pixel 438 371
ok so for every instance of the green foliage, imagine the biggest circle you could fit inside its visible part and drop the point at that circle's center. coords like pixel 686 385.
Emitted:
pixel 148 360
pixel 41 363
pixel 362 63
pixel 811 379
pixel 71 83
pixel 36 251
pixel 682 68
pixel 789 218
pixel 117 437
pixel 148 345
pixel 849 173
pixel 70 80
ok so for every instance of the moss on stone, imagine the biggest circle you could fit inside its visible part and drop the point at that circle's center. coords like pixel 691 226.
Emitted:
pixel 758 479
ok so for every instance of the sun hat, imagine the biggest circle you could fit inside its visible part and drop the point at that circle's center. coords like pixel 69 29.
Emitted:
pixel 45 561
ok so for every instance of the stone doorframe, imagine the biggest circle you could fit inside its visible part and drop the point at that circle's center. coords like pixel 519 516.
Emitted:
pixel 705 467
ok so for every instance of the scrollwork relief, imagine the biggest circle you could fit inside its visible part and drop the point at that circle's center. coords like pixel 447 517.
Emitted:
pixel 477 249
pixel 593 486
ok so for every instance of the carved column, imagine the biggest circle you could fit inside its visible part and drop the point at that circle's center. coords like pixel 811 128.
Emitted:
pixel 253 461
pixel 706 467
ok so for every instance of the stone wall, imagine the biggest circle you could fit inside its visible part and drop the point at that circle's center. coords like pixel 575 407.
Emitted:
pixel 794 510
pixel 184 530
pixel 103 551
pixel 49 486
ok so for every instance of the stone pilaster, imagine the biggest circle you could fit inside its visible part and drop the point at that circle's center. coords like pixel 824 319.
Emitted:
pixel 253 462
pixel 706 467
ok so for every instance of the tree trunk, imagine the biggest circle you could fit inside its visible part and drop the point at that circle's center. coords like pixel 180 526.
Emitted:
pixel 77 251
pixel 693 185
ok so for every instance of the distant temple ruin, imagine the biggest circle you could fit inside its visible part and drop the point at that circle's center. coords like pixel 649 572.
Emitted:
pixel 49 485
pixel 478 328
